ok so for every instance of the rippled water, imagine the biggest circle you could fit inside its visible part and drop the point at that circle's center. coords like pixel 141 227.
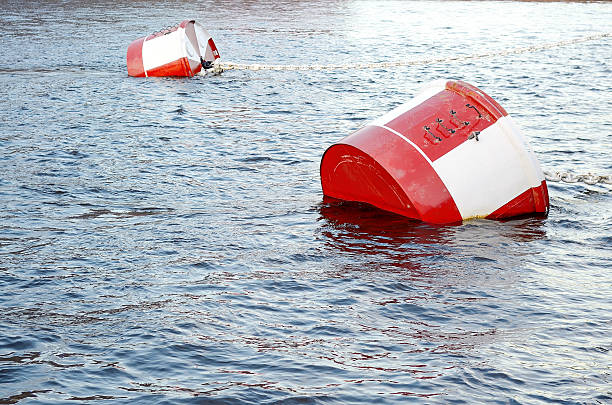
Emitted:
pixel 165 240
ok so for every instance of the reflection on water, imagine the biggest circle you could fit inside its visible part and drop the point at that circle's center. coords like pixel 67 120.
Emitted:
pixel 362 230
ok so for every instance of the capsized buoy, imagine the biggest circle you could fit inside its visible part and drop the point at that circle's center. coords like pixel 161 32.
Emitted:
pixel 451 153
pixel 182 50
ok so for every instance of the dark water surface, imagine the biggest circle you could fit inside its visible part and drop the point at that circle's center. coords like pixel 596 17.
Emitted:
pixel 165 240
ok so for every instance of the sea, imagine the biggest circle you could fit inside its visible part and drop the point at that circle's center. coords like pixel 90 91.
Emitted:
pixel 165 240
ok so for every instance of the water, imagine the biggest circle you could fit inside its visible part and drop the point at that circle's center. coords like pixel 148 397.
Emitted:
pixel 165 240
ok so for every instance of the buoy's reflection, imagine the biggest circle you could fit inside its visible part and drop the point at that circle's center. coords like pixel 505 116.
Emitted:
pixel 377 239
pixel 361 220
pixel 386 240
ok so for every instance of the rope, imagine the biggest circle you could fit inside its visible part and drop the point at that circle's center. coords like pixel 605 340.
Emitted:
pixel 588 178
pixel 221 66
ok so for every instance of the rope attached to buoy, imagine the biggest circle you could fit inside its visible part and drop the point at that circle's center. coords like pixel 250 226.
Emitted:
pixel 222 66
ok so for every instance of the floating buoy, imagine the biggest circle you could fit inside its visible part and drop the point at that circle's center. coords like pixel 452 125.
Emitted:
pixel 450 154
pixel 182 50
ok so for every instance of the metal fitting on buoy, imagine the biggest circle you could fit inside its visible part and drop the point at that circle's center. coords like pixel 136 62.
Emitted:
pixel 416 160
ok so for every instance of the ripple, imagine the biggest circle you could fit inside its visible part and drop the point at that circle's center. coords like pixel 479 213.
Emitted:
pixel 165 240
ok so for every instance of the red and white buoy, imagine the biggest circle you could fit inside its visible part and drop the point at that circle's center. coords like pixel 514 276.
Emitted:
pixel 176 51
pixel 450 154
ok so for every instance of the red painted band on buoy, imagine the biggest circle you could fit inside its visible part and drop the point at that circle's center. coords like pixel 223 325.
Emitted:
pixel 533 200
pixel 384 180
pixel 180 67
pixel 213 48
pixel 134 59
pixel 467 90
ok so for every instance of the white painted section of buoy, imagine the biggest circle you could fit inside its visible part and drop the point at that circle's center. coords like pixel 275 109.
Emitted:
pixel 483 175
pixel 163 49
